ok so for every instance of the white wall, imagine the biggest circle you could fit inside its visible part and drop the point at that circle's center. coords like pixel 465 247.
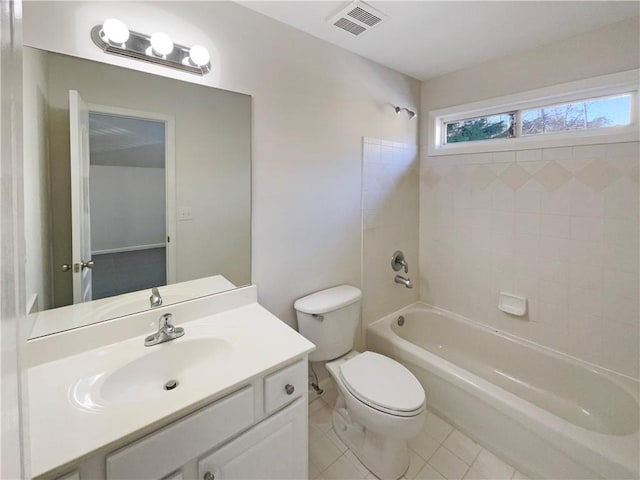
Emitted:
pixel 556 225
pixel 127 207
pixel 610 49
pixel 312 104
pixel 36 184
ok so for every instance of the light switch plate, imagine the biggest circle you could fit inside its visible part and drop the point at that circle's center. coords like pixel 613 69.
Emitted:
pixel 184 213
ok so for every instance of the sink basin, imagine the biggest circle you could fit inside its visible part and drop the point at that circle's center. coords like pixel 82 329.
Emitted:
pixel 145 378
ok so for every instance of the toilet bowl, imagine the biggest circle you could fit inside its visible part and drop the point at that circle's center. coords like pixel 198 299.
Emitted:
pixel 380 406
pixel 380 403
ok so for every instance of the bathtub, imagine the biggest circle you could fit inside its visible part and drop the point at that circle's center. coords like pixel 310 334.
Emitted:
pixel 548 414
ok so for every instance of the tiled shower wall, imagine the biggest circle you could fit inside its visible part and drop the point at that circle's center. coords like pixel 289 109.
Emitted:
pixel 390 199
pixel 558 226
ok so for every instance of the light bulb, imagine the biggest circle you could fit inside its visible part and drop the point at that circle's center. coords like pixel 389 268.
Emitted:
pixel 115 31
pixel 161 43
pixel 199 55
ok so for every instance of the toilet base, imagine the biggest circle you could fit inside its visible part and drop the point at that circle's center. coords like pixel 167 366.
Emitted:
pixel 387 458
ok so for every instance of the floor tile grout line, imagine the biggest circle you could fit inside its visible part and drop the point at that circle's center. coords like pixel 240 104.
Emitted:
pixel 355 466
pixel 453 429
pixel 443 475
pixel 332 463
pixel 333 442
pixel 350 462
pixel 434 467
pixel 477 454
pixel 427 460
pixel 458 456
pixel 466 471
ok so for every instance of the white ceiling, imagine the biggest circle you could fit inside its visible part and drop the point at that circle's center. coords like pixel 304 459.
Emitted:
pixel 425 39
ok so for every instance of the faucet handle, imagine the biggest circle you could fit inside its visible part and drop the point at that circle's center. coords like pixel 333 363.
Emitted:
pixel 155 299
pixel 405 265
pixel 165 321
pixel 398 262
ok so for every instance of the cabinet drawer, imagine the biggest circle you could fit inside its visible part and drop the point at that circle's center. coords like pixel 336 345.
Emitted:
pixel 162 452
pixel 284 386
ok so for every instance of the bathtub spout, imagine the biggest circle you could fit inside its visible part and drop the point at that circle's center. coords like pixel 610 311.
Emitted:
pixel 404 281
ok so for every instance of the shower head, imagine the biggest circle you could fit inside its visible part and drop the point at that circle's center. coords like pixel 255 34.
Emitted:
pixel 409 112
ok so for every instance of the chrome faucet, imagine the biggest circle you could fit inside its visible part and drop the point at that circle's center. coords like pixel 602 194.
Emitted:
pixel 155 299
pixel 166 331
pixel 404 281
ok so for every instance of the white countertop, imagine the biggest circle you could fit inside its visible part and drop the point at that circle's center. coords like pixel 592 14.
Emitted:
pixel 65 429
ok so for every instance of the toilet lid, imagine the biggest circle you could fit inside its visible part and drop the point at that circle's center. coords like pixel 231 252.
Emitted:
pixel 382 382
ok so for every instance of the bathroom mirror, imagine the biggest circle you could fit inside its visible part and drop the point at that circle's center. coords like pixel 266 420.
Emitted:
pixel 132 181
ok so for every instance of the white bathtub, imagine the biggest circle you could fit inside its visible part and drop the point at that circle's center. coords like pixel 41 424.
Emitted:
pixel 549 415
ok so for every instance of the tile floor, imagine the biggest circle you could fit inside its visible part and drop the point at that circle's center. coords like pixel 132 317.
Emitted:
pixel 438 452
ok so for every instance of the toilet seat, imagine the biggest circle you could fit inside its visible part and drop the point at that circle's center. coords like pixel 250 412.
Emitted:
pixel 383 384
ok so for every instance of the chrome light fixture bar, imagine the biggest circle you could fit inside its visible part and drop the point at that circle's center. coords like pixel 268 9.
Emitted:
pixel 157 48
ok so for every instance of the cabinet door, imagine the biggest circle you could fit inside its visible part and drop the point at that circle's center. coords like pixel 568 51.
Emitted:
pixel 161 452
pixel 276 448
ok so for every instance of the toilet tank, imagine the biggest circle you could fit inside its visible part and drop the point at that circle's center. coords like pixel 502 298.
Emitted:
pixel 329 318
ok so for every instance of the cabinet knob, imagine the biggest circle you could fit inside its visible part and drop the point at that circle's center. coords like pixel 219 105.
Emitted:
pixel 289 389
pixel 208 476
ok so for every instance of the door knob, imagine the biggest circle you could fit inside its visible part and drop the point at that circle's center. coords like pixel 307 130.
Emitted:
pixel 65 267
pixel 88 264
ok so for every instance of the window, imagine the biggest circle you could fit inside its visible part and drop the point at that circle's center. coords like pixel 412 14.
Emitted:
pixel 481 128
pixel 592 113
pixel 595 110
pixel 581 115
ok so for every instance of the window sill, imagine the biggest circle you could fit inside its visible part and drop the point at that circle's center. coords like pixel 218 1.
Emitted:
pixel 624 134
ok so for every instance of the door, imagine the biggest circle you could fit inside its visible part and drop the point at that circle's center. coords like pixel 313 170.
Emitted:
pixel 275 449
pixel 128 197
pixel 80 221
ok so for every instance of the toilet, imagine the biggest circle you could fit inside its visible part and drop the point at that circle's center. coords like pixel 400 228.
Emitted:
pixel 380 403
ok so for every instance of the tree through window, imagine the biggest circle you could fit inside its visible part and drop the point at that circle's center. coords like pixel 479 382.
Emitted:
pixel 598 113
pixel 481 128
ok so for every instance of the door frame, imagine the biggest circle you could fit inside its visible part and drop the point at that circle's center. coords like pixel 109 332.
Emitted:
pixel 170 183
pixel 80 213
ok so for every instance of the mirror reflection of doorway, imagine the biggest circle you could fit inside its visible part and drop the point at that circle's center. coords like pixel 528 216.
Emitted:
pixel 127 178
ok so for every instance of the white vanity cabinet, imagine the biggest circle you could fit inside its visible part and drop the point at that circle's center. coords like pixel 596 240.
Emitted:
pixel 271 450
pixel 257 432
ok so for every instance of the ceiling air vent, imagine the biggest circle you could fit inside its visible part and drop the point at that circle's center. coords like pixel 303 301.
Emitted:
pixel 357 18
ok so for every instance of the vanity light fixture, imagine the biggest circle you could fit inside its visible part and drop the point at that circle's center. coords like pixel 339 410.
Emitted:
pixel 409 112
pixel 161 44
pixel 198 55
pixel 114 31
pixel 115 38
